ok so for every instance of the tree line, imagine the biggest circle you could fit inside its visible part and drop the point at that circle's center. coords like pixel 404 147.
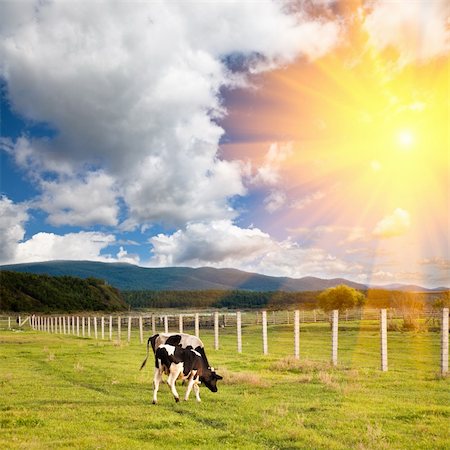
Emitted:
pixel 340 297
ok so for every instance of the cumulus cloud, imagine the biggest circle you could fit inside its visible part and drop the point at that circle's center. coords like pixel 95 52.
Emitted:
pixel 124 257
pixel 49 246
pixel 418 30
pixel 395 224
pixel 71 246
pixel 80 202
pixel 135 90
pixel 223 244
pixel 209 243
pixel 12 228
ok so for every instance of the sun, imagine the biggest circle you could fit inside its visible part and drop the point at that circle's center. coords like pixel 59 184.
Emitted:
pixel 405 139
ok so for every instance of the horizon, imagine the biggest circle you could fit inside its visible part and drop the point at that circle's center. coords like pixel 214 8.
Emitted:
pixel 203 136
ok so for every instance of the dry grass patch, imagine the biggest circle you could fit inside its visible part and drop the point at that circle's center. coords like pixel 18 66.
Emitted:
pixel 233 378
pixel 291 364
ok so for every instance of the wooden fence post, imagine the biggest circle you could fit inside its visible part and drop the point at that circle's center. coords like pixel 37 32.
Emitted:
pixel 180 322
pixel 89 326
pixel 444 341
pixel 334 338
pixel 197 325
pixel 119 327
pixel 264 332
pixel 78 325
pixel 129 329
pixel 9 323
pixel 216 331
pixel 95 328
pixel 63 324
pixel 153 324
pixel 83 325
pixel 73 325
pixel 166 324
pixel 141 331
pixel 239 331
pixel 103 327
pixel 383 332
pixel 297 334
pixel 110 327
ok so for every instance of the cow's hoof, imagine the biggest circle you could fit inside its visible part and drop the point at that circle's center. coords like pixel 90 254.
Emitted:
pixel 177 399
pixel 154 402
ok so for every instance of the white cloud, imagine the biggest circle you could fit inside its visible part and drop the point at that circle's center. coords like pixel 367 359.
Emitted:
pixel 437 262
pixel 418 30
pixel 80 202
pixel 209 243
pixel 274 201
pixel 307 200
pixel 124 257
pixel 49 246
pixel 395 224
pixel 269 172
pixel 12 228
pixel 134 90
pixel 72 246
pixel 223 244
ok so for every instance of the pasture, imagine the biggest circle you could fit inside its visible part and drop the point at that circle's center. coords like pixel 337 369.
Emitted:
pixel 61 391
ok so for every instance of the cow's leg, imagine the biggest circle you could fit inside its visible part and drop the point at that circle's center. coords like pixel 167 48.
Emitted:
pixel 156 380
pixel 197 391
pixel 175 370
pixel 190 385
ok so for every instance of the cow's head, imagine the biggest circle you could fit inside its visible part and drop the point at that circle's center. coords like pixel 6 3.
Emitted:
pixel 210 378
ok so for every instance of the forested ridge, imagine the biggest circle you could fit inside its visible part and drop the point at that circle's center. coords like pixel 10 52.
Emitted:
pixel 44 293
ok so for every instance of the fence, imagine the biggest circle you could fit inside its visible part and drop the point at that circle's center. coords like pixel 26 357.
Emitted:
pixel 110 327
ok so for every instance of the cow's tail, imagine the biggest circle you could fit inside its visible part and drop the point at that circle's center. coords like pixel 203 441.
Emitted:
pixel 151 340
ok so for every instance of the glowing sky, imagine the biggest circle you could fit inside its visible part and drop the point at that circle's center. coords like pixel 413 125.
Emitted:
pixel 304 138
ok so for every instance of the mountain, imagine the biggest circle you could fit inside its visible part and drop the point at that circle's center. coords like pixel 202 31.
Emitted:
pixel 129 277
pixel 409 288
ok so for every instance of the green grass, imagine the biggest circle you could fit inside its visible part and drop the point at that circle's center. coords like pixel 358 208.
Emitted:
pixel 68 392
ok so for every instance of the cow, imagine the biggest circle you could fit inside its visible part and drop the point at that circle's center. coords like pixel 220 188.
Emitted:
pixel 186 363
pixel 177 339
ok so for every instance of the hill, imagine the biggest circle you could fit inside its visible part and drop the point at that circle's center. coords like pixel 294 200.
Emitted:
pixel 32 292
pixel 128 277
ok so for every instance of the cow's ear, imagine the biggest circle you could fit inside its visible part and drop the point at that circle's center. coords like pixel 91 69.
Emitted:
pixel 218 377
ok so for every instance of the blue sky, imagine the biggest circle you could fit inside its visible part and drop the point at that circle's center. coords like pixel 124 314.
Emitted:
pixel 160 135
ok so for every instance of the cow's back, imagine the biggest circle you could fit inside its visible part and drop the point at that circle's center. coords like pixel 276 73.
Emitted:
pixel 176 339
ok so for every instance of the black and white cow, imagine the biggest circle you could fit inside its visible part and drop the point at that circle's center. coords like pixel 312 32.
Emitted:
pixel 185 363
pixel 175 349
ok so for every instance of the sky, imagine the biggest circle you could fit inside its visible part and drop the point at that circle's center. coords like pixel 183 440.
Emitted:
pixel 289 138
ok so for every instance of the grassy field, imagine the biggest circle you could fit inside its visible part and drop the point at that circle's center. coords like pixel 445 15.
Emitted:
pixel 68 392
